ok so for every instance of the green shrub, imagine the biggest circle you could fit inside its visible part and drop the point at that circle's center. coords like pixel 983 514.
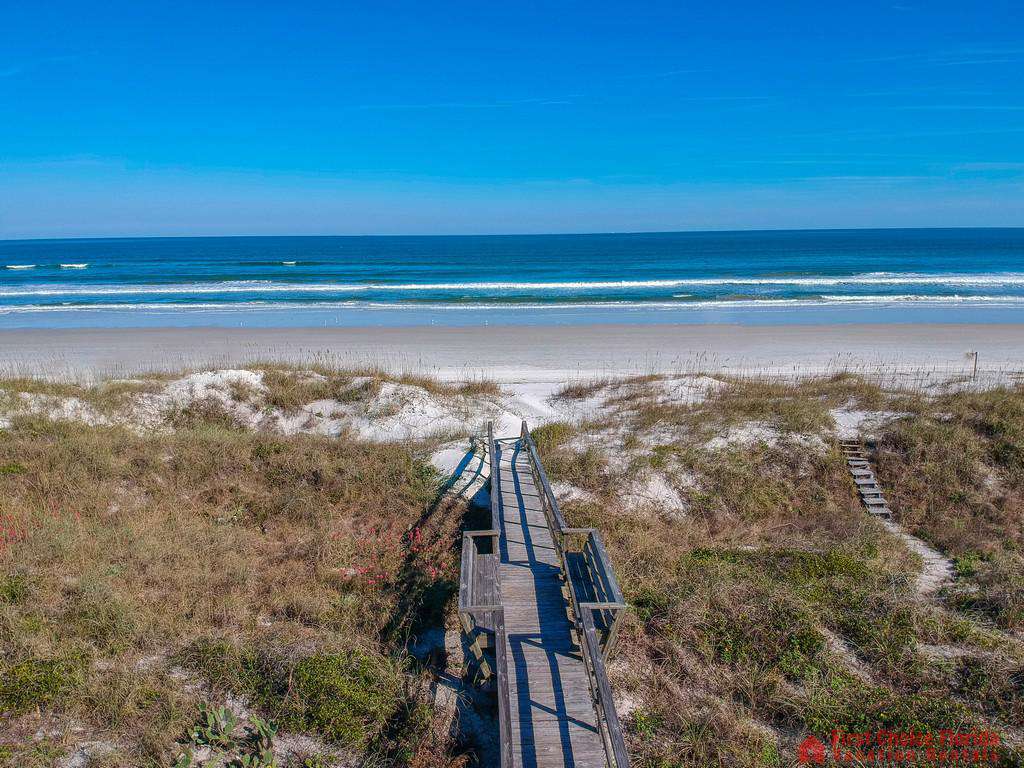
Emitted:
pixel 37 682
pixel 764 630
pixel 841 702
pixel 552 436
pixel 348 697
pixel 14 588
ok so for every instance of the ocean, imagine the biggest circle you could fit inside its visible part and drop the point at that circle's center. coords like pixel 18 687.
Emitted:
pixel 819 277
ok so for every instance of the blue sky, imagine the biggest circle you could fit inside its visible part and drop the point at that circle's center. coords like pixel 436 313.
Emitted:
pixel 259 118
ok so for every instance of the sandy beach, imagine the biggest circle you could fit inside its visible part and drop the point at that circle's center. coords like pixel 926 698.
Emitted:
pixel 528 353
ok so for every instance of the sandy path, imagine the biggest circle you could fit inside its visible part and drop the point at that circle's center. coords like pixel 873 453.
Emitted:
pixel 937 570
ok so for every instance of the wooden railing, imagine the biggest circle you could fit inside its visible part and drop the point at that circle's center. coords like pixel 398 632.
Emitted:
pixel 597 602
pixel 480 604
pixel 594 593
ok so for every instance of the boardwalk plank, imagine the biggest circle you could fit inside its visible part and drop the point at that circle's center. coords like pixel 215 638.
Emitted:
pixel 553 718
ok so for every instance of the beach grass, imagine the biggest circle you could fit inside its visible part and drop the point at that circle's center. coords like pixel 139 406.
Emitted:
pixel 772 605
pixel 158 580
pixel 142 574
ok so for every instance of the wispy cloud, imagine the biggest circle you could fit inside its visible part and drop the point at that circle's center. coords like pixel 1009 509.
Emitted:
pixel 954 57
pixel 663 75
pixel 497 104
pixel 555 101
pixel 959 107
pixel 990 166
pixel 13 70
pixel 971 62
pixel 851 159
pixel 866 179
pixel 716 97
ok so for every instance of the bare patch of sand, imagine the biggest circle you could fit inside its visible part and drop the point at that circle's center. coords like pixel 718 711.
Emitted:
pixel 59 408
pixel 653 492
pixel 851 422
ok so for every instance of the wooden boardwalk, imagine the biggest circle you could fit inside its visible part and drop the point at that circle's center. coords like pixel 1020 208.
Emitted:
pixel 554 722
pixel 543 598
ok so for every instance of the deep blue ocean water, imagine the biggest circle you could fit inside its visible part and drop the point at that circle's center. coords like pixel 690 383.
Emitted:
pixel 953 275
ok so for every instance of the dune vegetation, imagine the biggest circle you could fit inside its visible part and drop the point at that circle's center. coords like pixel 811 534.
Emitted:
pixel 768 604
pixel 148 578
pixel 259 568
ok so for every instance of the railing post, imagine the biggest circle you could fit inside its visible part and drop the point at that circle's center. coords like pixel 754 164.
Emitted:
pixel 495 473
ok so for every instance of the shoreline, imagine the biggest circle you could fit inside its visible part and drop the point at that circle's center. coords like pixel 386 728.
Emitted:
pixel 528 353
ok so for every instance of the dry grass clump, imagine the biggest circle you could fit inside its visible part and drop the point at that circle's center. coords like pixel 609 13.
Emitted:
pixel 106 398
pixel 121 555
pixel 581 390
pixel 291 388
pixel 800 407
pixel 477 387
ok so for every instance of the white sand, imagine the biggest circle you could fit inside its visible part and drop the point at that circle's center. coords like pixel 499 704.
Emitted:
pixel 852 423
pixel 528 353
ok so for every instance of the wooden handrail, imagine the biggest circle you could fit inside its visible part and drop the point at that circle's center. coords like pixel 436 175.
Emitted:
pixel 606 608
pixel 583 612
pixel 601 555
pixel 471 611
pixel 615 744
pixel 560 527
pixel 492 457
pixel 552 504
pixel 504 696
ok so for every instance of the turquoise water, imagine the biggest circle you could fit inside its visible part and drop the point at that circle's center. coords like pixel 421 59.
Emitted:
pixel 955 275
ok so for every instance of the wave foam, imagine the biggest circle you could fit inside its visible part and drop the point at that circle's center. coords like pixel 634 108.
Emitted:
pixel 266 286
pixel 822 301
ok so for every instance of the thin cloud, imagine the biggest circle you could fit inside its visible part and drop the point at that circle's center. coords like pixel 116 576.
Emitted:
pixel 17 69
pixel 724 98
pixel 852 159
pixel 950 58
pixel 969 62
pixel 959 107
pixel 468 104
pixel 867 178
pixel 664 75
pixel 989 166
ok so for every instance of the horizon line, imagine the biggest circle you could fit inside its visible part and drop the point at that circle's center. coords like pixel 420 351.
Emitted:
pixel 510 234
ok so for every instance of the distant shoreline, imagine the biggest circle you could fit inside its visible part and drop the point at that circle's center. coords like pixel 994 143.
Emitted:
pixel 528 353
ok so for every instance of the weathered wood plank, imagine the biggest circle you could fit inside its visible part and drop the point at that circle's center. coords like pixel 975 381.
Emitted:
pixel 553 718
